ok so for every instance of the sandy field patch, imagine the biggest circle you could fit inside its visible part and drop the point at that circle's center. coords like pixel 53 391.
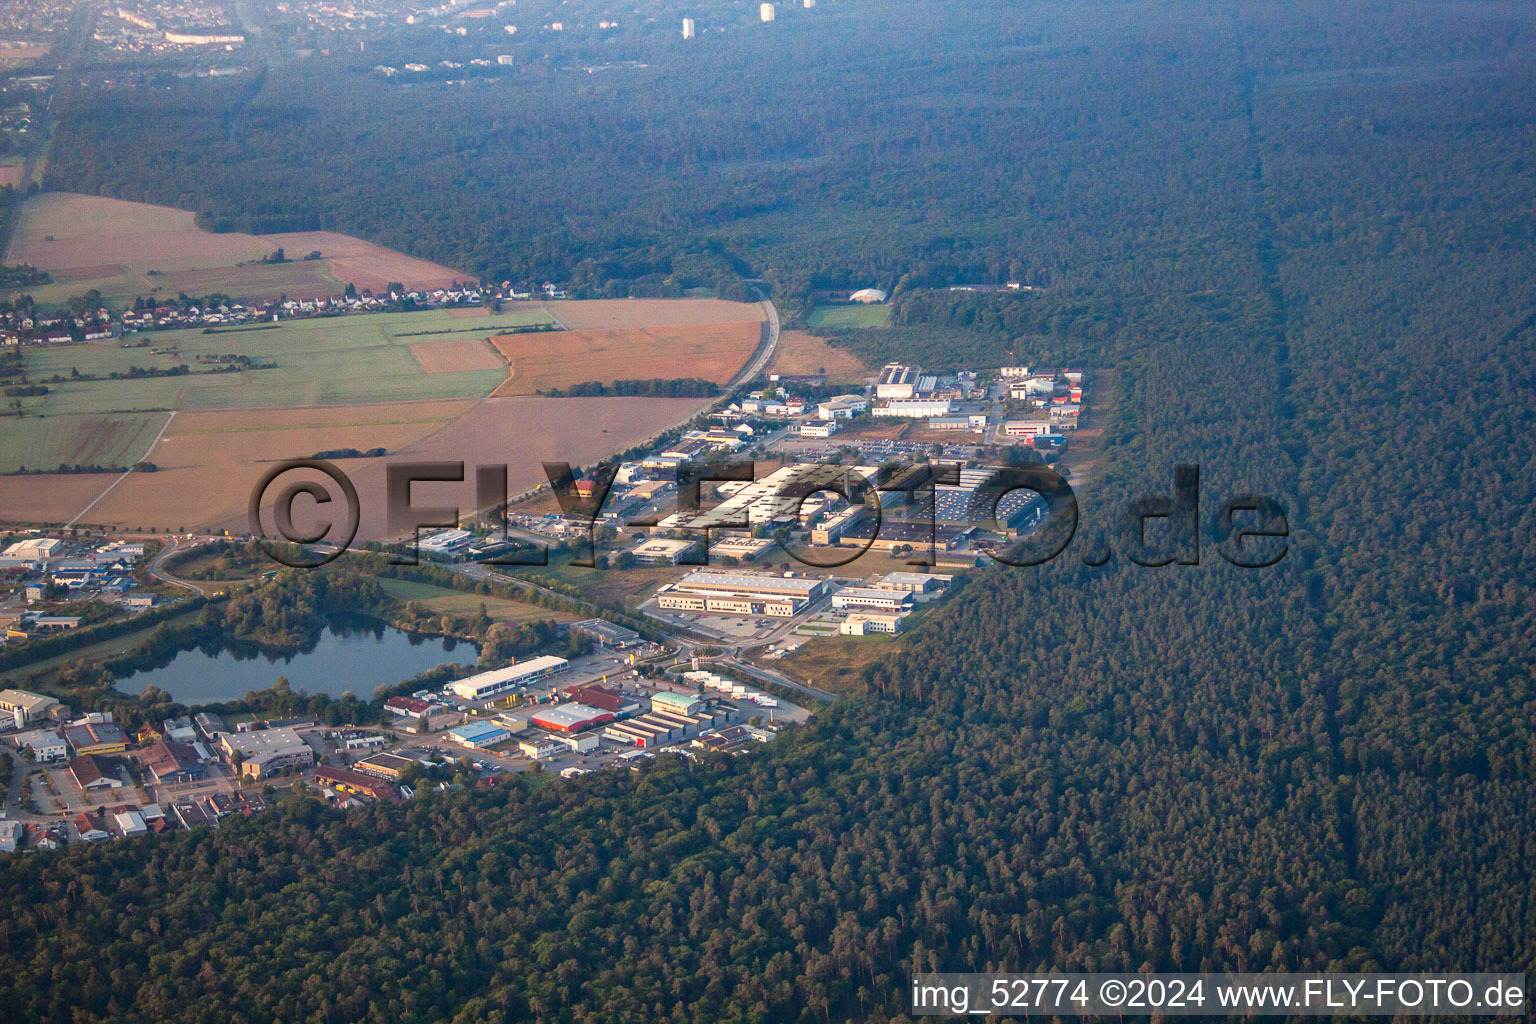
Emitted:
pixel 456 356
pixel 604 313
pixel 559 359
pixel 11 175
pixel 799 352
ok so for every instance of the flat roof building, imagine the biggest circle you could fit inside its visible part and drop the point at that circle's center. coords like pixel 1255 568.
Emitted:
pixel 683 703
pixel 864 623
pixel 918 583
pixel 266 752
pixel 606 634
pixel 96 738
pixel 479 735
pixel 661 550
pixel 45 744
pixel 384 766
pixel 897 380
pixel 871 597
pixel 503 680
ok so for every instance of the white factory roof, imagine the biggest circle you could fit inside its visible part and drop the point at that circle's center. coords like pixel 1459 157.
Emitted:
pixel 35 547
pixel 748 581
pixel 774 497
pixel 511 673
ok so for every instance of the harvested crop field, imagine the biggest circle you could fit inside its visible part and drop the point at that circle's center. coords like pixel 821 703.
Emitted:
pixel 539 362
pixel 799 352
pixel 126 249
pixel 606 313
pixel 210 461
pixel 456 356
pixel 49 499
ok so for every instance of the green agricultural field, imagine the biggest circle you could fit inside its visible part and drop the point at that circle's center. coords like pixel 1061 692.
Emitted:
pixel 100 359
pixel 32 442
pixel 455 602
pixel 332 361
pixel 849 316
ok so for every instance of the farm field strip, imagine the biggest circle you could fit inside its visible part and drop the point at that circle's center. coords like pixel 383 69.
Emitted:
pixel 540 362
pixel 46 443
pixel 139 248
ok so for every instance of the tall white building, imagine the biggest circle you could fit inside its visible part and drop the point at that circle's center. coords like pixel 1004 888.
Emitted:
pixel 688 28
pixel 765 11
pixel 809 4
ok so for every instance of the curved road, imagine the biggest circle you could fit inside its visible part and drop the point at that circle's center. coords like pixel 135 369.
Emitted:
pixel 760 360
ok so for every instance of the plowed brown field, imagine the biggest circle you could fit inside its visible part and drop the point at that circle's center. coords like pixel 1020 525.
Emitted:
pixel 559 359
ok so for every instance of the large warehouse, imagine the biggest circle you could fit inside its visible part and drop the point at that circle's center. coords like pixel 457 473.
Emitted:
pixel 570 718
pixel 871 597
pixel 502 680
pixel 741 593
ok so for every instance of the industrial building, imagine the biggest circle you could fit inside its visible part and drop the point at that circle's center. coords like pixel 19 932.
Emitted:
pixel 884 536
pixel 776 499
pixel 606 634
pixel 25 707
pixel 45 744
pixel 914 408
pixel 96 738
pixel 92 772
pixel 841 407
pixel 872 597
pixel 920 585
pixel 970 421
pixel 899 381
pixel 479 735
pixel 741 548
pixel 170 761
pixel 384 766
pixel 741 593
pixel 503 680
pixel 446 543
pixel 266 752
pixel 34 549
pixel 682 703
pixel 662 550
pixel 356 783
pixel 1034 426
pixel 407 707
pixel 578 742
pixel 864 623
pixel 570 718
pixel 604 699
pixel 537 745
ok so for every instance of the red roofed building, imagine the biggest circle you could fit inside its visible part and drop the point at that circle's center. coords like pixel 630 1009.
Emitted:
pixel 348 781
pixel 603 698
pixel 407 706
pixel 171 762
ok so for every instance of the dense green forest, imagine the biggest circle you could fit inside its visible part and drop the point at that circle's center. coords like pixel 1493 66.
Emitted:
pixel 1300 234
